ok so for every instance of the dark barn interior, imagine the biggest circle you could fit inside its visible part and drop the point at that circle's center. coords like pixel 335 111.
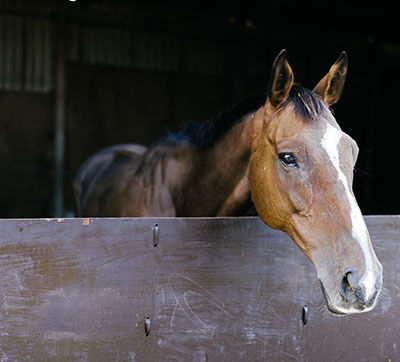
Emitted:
pixel 77 76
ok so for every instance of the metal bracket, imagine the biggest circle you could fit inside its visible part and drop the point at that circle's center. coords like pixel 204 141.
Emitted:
pixel 147 326
pixel 156 231
pixel 304 315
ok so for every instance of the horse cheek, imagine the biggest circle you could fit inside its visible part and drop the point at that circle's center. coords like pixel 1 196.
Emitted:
pixel 301 196
pixel 266 195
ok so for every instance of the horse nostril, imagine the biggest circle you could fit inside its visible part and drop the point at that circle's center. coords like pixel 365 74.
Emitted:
pixel 347 288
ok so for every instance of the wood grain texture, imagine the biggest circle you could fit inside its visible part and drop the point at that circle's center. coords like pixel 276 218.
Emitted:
pixel 214 289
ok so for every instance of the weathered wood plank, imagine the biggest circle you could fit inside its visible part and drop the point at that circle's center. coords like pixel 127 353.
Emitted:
pixel 214 289
pixel 75 288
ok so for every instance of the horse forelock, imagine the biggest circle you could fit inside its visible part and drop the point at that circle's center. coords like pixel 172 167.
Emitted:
pixel 305 102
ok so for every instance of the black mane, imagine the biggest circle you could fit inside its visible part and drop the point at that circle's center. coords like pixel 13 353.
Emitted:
pixel 204 134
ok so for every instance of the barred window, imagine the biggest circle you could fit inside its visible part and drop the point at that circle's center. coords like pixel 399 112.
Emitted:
pixel 26 48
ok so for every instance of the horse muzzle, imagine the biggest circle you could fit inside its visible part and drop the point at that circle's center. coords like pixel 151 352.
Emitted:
pixel 354 292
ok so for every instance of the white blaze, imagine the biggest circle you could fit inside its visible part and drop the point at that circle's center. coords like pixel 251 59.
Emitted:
pixel 330 142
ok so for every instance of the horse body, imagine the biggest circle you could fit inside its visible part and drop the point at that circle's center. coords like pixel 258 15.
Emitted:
pixel 284 151
pixel 171 178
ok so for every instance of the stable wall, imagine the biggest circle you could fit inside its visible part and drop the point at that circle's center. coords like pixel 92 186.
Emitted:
pixel 26 158
pixel 135 69
pixel 211 289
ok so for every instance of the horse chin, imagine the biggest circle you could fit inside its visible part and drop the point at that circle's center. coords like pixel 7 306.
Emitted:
pixel 342 308
pixel 350 310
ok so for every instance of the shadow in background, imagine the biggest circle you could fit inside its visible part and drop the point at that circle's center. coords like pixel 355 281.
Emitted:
pixel 134 69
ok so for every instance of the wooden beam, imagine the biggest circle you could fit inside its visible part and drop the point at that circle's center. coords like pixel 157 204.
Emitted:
pixel 211 289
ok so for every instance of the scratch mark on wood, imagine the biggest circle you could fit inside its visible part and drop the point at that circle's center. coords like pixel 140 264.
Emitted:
pixel 18 280
pixel 184 303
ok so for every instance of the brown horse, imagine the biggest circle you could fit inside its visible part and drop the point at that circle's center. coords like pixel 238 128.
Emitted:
pixel 284 151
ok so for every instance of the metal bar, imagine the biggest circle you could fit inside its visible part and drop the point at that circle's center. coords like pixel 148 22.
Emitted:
pixel 59 139
pixel 47 56
pixel 38 56
pixel 2 50
pixel 18 44
pixel 9 61
pixel 29 62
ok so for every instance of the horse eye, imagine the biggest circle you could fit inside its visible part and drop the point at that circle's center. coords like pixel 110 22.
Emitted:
pixel 288 159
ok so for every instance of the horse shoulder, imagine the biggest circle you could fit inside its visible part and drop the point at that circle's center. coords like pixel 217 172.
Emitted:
pixel 162 179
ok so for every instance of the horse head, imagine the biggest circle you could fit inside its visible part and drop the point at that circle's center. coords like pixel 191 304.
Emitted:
pixel 301 174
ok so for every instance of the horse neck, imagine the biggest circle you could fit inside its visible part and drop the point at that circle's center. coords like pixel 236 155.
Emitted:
pixel 218 183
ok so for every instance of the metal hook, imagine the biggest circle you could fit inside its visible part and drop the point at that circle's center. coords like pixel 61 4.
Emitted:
pixel 304 315
pixel 156 231
pixel 147 326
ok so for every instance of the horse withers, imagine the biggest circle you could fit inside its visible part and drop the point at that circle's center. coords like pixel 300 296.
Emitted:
pixel 284 151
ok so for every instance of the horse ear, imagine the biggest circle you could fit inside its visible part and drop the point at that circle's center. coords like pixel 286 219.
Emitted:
pixel 330 87
pixel 280 81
